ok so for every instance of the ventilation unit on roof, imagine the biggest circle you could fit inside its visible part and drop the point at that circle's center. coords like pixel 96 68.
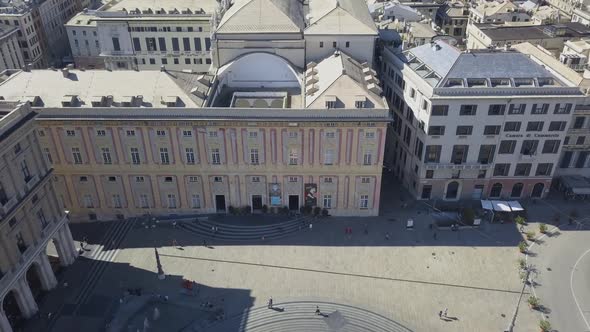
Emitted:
pixel 198 93
pixel 311 80
pixel 311 65
pixel 311 72
pixel 376 89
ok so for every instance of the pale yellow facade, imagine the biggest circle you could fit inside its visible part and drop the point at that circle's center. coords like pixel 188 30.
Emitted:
pixel 121 168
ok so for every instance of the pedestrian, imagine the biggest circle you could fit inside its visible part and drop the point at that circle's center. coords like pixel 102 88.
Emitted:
pixel 440 314
pixel 434 235
pixel 174 224
pixel 387 236
pixel 204 243
pixel 521 228
pixel 445 313
pixel 317 310
pixel 81 245
pixel 85 240
pixel 270 303
pixel 174 243
pixel 212 229
pixel 310 226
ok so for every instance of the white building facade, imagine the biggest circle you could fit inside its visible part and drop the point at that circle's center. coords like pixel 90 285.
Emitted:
pixel 466 130
pixel 11 56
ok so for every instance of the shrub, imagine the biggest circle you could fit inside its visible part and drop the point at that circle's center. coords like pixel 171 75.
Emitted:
pixel 545 325
pixel 530 235
pixel 522 246
pixel 533 302
pixel 317 210
pixel 246 209
pixel 306 209
pixel 468 215
pixel 325 212
pixel 522 263
pixel 520 220
pixel 264 208
pixel 232 210
pixel 543 228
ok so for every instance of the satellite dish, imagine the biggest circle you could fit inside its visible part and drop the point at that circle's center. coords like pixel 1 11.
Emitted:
pixel 447 39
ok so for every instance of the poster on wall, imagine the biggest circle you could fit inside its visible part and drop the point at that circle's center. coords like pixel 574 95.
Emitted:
pixel 275 194
pixel 311 194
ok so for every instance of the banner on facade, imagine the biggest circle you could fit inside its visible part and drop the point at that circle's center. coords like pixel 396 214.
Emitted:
pixel 275 194
pixel 311 194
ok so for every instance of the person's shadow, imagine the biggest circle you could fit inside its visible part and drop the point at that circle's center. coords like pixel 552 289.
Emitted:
pixel 278 309
pixel 449 319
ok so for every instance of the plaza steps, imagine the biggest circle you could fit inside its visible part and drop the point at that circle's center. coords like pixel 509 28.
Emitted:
pixel 300 316
pixel 229 232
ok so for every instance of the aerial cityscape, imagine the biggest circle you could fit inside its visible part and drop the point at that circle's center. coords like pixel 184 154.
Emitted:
pixel 294 165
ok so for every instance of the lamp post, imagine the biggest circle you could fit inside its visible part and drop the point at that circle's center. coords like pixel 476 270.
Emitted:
pixel 161 274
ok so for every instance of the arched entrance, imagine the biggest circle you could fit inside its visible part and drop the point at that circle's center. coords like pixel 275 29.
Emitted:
pixel 538 190
pixel 516 190
pixel 33 277
pixel 12 311
pixel 496 190
pixel 452 190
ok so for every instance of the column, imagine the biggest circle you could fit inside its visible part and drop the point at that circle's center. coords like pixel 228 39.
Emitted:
pixel 54 201
pixel 4 324
pixel 184 203
pixel 25 298
pixel 47 277
pixel 67 234
pixel 13 177
pixel 63 249
pixel 155 192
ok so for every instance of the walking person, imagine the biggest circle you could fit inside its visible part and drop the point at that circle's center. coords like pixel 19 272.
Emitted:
pixel 317 310
pixel 435 235
pixel 445 312
pixel 310 226
pixel 440 314
pixel 174 243
pixel 270 303
pixel 387 236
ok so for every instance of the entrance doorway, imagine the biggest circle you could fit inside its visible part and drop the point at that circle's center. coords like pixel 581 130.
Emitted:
pixel 293 202
pixel 477 191
pixel 538 190
pixel 220 203
pixel 452 190
pixel 256 202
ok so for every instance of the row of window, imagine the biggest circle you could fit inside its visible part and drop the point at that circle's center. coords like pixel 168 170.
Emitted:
pixel 176 61
pixel 164 29
pixel 487 151
pixel 150 44
pixel 510 126
pixel 83 32
pixel 172 202
pixel 189 133
pixel 335 44
pixel 500 109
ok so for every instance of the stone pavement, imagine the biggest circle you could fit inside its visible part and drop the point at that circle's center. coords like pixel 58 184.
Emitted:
pixel 407 279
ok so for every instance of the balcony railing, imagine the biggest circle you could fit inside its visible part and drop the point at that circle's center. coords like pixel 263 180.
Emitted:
pixel 31 182
pixel 457 166
pixel 7 206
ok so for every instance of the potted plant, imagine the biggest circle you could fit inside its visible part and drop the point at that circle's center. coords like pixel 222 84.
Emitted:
pixel 522 246
pixel 530 235
pixel 520 220
pixel 545 325
pixel 533 302
pixel 542 228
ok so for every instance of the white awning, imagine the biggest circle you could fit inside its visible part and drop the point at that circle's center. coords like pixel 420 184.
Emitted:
pixel 515 206
pixel 486 205
pixel 501 206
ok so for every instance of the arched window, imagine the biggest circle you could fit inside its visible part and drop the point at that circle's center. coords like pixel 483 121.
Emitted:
pixel 496 190
pixel 516 190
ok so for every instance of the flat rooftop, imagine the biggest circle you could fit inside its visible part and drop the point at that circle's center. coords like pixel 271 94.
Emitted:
pixel 162 6
pixel 505 32
pixel 83 19
pixel 101 88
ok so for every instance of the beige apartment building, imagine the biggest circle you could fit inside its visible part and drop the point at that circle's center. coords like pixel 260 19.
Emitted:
pixel 31 217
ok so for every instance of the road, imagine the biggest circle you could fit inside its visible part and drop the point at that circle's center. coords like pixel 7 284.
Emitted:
pixel 563 264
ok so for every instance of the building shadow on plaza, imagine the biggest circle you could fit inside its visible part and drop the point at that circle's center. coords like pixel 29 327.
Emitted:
pixel 92 301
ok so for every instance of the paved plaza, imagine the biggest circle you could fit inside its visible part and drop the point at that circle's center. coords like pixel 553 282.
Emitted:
pixel 382 277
